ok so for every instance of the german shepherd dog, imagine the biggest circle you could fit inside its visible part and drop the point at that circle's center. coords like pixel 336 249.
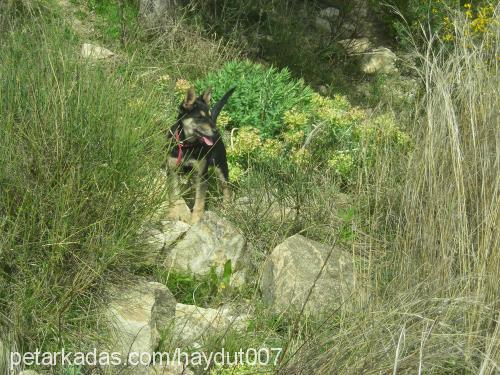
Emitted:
pixel 197 145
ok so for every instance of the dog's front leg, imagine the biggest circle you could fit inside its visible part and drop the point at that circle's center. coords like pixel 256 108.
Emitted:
pixel 201 192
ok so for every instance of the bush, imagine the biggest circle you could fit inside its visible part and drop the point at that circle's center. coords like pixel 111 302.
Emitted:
pixel 271 116
pixel 262 97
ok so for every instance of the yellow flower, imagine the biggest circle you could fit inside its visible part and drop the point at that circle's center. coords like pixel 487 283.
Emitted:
pixel 247 139
pixel 272 148
pixel 224 119
pixel 294 119
pixel 236 172
pixel 181 86
pixel 294 138
pixel 301 156
pixel 342 163
pixel 468 5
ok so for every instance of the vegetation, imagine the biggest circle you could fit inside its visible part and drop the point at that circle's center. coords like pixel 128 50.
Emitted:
pixel 410 187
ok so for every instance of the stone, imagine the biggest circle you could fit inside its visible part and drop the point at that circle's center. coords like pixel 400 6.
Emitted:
pixel 329 13
pixel 158 241
pixel 209 243
pixel 94 52
pixel 160 368
pixel 194 324
pixel 138 311
pixel 179 210
pixel 355 46
pixel 323 25
pixel 379 60
pixel 291 270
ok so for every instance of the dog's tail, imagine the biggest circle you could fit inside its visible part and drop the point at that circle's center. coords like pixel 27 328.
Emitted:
pixel 217 108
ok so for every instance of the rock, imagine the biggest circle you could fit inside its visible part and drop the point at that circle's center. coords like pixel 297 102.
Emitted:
pixel 138 312
pixel 329 13
pixel 355 46
pixel 379 60
pixel 91 51
pixel 323 25
pixel 158 241
pixel 193 324
pixel 292 268
pixel 179 211
pixel 209 243
pixel 171 368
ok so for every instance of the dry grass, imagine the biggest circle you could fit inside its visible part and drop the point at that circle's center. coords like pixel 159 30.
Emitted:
pixel 433 241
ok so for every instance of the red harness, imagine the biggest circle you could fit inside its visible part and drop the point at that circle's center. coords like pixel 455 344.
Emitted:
pixel 180 145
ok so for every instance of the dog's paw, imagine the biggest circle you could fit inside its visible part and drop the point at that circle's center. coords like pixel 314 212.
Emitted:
pixel 196 216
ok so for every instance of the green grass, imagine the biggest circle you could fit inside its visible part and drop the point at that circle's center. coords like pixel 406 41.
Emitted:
pixel 80 147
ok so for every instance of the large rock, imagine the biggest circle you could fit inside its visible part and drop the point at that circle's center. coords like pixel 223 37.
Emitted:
pixel 379 60
pixel 91 51
pixel 292 268
pixel 138 312
pixel 179 210
pixel 158 241
pixel 194 324
pixel 209 243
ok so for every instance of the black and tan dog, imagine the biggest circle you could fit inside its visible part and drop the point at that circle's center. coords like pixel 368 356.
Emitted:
pixel 198 145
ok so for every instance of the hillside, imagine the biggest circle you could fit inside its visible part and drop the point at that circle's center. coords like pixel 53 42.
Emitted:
pixel 361 235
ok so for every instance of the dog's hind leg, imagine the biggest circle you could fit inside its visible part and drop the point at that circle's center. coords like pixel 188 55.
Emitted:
pixel 201 191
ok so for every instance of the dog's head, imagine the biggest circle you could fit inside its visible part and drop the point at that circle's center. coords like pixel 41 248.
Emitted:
pixel 196 118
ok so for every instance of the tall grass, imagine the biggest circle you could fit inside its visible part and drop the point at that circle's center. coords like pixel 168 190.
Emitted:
pixel 433 240
pixel 80 146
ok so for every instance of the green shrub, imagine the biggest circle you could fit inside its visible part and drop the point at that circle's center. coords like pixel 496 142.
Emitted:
pixel 271 116
pixel 263 94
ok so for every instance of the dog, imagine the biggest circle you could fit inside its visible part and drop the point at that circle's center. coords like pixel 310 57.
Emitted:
pixel 197 145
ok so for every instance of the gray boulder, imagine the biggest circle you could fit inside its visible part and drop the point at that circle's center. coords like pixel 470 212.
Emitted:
pixel 292 268
pixel 94 52
pixel 193 324
pixel 209 243
pixel 138 311
pixel 379 60
pixel 158 241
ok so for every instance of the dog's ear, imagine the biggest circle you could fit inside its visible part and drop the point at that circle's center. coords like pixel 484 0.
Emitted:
pixel 207 95
pixel 190 99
